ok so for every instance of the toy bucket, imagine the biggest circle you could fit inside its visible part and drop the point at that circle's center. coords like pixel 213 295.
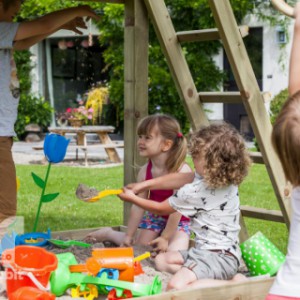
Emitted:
pixel 121 259
pixel 28 266
pixel 261 256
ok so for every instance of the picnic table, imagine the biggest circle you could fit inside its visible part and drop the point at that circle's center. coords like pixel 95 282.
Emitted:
pixel 82 142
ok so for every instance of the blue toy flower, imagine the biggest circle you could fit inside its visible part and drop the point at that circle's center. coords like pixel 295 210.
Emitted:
pixel 55 147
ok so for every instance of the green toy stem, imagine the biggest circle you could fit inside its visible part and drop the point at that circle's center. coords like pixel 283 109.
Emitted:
pixel 43 192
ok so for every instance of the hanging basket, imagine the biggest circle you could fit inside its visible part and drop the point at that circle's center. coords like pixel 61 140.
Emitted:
pixel 76 122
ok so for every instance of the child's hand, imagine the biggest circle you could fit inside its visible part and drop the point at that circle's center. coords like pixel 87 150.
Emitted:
pixel 128 241
pixel 127 195
pixel 86 11
pixel 160 245
pixel 136 187
pixel 75 24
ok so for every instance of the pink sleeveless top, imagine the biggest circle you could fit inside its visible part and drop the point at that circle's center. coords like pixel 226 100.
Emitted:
pixel 159 195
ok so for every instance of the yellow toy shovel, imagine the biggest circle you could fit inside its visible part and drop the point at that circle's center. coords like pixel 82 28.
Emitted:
pixel 88 194
pixel 103 194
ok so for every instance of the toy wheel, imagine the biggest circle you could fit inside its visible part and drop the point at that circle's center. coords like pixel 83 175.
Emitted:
pixel 112 295
pixel 283 7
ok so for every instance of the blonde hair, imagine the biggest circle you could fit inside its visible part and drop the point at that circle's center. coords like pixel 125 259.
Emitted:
pixel 169 128
pixel 286 138
pixel 226 159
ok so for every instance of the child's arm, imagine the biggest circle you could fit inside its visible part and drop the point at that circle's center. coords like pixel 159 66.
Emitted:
pixel 161 243
pixel 167 182
pixel 35 30
pixel 73 25
pixel 294 74
pixel 158 208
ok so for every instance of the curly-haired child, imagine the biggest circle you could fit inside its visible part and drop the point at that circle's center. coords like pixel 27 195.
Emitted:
pixel 209 197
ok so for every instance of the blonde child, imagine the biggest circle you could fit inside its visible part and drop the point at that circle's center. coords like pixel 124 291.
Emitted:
pixel 20 36
pixel 209 197
pixel 162 143
pixel 286 141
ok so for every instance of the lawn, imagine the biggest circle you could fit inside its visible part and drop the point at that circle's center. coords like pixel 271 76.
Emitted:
pixel 67 212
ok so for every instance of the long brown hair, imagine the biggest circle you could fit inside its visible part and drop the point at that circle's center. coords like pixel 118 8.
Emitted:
pixel 226 159
pixel 286 138
pixel 169 128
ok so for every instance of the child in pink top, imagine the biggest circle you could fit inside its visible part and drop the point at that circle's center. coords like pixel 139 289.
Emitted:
pixel 162 143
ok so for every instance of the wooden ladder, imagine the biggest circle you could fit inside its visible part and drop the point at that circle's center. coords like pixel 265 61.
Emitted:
pixel 249 93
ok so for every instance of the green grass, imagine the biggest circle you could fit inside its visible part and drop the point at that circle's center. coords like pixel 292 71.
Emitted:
pixel 67 212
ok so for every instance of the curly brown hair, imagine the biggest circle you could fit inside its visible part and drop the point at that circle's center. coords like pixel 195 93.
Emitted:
pixel 226 159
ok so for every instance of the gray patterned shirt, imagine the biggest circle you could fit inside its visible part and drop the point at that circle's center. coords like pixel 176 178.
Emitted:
pixel 214 214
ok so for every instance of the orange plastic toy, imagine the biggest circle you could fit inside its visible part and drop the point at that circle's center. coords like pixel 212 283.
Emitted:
pixel 121 259
pixel 28 266
pixel 31 293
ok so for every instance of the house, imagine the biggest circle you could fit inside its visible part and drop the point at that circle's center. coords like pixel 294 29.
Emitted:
pixel 72 66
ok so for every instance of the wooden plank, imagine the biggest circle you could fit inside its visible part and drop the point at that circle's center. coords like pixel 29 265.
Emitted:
pixel 135 86
pixel 220 97
pixel 252 99
pixel 262 214
pixel 205 34
pixel 184 82
pixel 256 157
pixel 227 97
pixel 250 290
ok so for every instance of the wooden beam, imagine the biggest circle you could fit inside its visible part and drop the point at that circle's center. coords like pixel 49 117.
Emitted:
pixel 252 99
pixel 135 86
pixel 179 68
pixel 227 97
pixel 205 34
pixel 220 97
pixel 252 289
pixel 256 157
pixel 262 214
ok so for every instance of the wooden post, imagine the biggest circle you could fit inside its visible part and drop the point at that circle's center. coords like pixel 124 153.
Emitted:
pixel 135 85
pixel 252 98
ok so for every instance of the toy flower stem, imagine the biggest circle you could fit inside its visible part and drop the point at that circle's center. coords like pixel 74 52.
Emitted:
pixel 41 198
pixel 55 148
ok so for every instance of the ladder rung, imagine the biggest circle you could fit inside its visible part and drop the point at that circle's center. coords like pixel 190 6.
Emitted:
pixel 262 214
pixel 220 97
pixel 226 97
pixel 256 157
pixel 205 34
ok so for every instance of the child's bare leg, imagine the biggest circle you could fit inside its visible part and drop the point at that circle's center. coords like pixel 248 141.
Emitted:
pixel 169 262
pixel 145 236
pixel 106 234
pixel 180 241
pixel 202 283
pixel 181 279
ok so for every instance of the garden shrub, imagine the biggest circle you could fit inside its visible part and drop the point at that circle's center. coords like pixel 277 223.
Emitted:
pixel 277 103
pixel 32 110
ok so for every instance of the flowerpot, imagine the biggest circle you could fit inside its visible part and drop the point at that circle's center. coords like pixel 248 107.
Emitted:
pixel 76 122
